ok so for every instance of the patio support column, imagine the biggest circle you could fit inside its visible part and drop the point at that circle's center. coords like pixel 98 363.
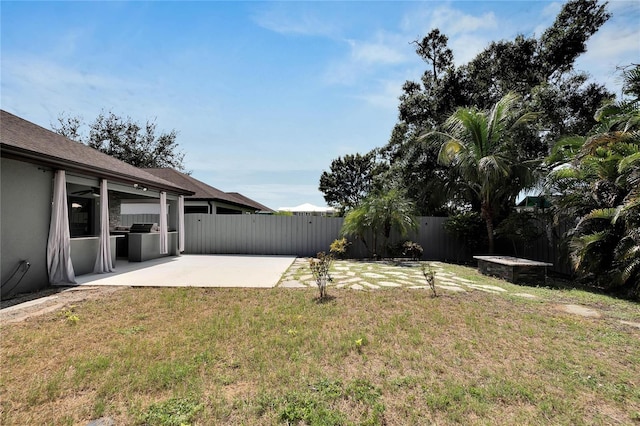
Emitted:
pixel 164 232
pixel 59 264
pixel 180 223
pixel 103 260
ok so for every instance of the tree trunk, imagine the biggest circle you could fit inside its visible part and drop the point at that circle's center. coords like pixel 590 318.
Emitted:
pixel 488 219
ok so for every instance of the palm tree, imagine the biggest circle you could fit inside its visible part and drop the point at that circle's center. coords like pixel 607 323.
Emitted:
pixel 377 215
pixel 605 242
pixel 479 147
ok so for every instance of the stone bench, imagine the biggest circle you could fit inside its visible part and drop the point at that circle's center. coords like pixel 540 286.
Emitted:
pixel 513 269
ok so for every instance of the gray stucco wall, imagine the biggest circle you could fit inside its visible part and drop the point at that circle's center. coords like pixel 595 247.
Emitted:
pixel 84 252
pixel 25 209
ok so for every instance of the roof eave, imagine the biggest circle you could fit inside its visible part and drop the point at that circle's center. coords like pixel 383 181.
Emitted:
pixel 13 152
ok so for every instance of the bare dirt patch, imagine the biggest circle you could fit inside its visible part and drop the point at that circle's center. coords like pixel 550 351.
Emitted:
pixel 580 310
pixel 32 305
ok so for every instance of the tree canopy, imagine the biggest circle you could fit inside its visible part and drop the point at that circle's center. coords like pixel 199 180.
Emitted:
pixel 127 140
pixel 349 180
pixel 540 70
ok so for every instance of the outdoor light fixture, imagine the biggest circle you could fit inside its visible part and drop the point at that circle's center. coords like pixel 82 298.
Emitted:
pixel 142 188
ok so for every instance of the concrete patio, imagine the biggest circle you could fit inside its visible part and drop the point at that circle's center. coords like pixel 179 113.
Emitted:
pixel 195 271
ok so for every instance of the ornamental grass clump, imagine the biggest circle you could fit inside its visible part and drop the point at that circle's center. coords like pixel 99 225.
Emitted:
pixel 320 266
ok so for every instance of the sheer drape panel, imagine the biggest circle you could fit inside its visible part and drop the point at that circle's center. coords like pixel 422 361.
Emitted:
pixel 164 232
pixel 181 223
pixel 59 264
pixel 103 260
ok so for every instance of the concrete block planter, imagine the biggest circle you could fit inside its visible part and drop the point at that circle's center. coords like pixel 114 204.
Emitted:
pixel 513 269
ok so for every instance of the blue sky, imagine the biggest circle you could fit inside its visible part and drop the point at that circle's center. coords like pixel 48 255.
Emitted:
pixel 264 95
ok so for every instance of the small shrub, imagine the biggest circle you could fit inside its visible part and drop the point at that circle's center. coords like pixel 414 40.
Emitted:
pixel 412 250
pixel 338 248
pixel 430 277
pixel 320 266
pixel 405 249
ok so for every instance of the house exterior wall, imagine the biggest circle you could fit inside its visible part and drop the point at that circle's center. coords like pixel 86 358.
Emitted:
pixel 25 211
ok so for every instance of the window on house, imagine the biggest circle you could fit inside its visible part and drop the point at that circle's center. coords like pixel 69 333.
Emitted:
pixel 196 209
pixel 81 216
pixel 224 210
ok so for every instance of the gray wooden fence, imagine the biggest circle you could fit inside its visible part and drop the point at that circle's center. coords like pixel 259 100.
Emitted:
pixel 298 235
pixel 308 235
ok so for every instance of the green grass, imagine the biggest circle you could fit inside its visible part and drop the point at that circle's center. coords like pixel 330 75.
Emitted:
pixel 390 356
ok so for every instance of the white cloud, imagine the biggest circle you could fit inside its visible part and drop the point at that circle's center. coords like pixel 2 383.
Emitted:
pixel 616 44
pixel 465 47
pixel 286 21
pixel 385 95
pixel 454 21
pixel 547 16
pixel 377 52
pixel 468 34
pixel 369 57
pixel 41 89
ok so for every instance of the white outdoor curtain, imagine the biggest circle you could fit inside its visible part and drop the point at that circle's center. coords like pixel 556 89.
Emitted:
pixel 103 260
pixel 164 233
pixel 181 223
pixel 59 264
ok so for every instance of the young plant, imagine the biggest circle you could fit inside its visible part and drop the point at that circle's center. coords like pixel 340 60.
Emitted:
pixel 320 266
pixel 70 316
pixel 430 277
pixel 338 247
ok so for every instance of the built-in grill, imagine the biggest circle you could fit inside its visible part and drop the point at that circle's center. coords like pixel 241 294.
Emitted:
pixel 143 228
pixel 122 244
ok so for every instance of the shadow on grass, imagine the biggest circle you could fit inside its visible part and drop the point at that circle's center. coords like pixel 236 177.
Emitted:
pixel 324 300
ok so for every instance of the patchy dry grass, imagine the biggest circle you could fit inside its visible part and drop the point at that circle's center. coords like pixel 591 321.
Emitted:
pixel 255 357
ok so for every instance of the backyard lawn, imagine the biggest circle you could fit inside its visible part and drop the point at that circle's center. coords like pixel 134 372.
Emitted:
pixel 393 356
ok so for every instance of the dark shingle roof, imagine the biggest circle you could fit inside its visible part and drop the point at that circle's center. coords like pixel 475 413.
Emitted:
pixel 251 202
pixel 24 140
pixel 202 191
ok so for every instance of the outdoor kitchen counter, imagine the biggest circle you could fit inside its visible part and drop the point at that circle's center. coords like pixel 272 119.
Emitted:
pixel 146 246
pixel 84 251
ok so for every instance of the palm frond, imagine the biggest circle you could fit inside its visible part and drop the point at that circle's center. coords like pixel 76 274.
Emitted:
pixel 630 270
pixel 579 247
pixel 629 162
pixel 605 214
pixel 565 149
pixel 449 151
